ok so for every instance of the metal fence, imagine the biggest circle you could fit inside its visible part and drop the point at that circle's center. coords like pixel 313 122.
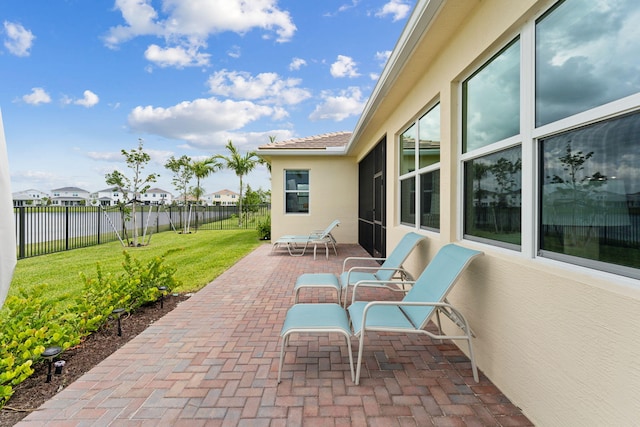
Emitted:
pixel 47 229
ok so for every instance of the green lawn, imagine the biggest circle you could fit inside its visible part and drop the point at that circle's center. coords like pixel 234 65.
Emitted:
pixel 198 257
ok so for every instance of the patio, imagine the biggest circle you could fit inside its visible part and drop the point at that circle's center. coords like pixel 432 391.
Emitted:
pixel 214 361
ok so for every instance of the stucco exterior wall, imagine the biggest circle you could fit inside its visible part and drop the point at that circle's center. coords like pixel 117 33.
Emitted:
pixel 333 186
pixel 559 340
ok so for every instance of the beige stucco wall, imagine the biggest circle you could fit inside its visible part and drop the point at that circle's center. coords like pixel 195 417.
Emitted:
pixel 560 341
pixel 333 186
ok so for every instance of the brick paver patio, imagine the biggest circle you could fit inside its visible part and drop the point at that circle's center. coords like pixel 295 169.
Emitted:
pixel 213 361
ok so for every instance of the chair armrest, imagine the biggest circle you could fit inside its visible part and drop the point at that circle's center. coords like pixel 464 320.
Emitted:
pixel 380 284
pixel 363 268
pixel 358 258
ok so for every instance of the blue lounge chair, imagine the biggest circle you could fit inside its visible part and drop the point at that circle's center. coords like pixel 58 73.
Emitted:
pixel 426 298
pixel 297 244
pixel 380 275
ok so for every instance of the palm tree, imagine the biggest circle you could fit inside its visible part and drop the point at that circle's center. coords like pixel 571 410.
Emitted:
pixel 241 165
pixel 202 169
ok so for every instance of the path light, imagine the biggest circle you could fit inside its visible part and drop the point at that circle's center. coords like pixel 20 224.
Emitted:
pixel 117 312
pixel 49 354
pixel 162 289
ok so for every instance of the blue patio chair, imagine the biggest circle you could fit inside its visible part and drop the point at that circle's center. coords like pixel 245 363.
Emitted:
pixel 297 244
pixel 380 275
pixel 426 298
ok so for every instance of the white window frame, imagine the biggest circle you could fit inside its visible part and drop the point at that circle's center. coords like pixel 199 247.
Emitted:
pixel 417 171
pixel 296 191
pixel 528 139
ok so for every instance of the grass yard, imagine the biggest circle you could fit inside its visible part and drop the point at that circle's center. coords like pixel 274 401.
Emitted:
pixel 198 257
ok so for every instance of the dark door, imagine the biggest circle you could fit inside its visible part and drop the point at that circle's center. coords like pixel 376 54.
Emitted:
pixel 372 205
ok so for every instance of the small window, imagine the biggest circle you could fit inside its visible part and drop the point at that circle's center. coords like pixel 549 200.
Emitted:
pixel 296 184
pixel 491 101
pixel 492 186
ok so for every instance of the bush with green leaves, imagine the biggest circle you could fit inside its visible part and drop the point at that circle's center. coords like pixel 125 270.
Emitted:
pixel 264 228
pixel 29 323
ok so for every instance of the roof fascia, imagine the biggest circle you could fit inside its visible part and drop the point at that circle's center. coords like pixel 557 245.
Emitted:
pixel 331 151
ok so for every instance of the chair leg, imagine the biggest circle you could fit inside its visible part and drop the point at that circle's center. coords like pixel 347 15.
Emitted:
pixel 348 338
pixel 284 340
pixel 474 368
pixel 359 364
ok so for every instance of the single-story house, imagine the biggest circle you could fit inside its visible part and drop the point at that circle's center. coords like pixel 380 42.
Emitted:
pixel 512 127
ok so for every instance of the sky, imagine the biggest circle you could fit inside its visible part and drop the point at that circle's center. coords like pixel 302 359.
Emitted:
pixel 83 80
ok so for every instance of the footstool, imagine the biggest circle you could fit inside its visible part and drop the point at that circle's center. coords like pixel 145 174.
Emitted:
pixel 323 318
pixel 317 280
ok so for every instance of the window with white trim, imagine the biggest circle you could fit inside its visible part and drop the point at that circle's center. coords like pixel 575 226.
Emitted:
pixel 296 191
pixel 492 159
pixel 420 171
pixel 589 177
pixel 551 138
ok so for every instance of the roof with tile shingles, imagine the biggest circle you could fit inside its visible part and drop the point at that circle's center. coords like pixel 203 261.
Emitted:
pixel 335 139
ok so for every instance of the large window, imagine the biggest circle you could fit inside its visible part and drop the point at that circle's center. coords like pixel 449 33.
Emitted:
pixel 491 118
pixel 590 188
pixel 553 147
pixel 587 58
pixel 296 184
pixel 420 170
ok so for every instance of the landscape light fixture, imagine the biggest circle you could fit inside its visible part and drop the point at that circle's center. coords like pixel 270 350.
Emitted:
pixel 117 312
pixel 49 354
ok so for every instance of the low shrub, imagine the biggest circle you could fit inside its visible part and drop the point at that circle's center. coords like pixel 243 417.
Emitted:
pixel 29 323
pixel 264 228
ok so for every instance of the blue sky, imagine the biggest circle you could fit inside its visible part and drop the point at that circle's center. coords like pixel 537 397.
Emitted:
pixel 82 80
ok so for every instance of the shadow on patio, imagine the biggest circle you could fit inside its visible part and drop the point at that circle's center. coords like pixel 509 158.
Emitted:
pixel 214 361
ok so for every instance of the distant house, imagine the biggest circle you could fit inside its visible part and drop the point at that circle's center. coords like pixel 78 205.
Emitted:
pixel 222 198
pixel 109 196
pixel 29 197
pixel 70 196
pixel 156 196
pixel 112 196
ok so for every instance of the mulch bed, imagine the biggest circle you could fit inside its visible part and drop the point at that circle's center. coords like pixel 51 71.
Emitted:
pixel 34 391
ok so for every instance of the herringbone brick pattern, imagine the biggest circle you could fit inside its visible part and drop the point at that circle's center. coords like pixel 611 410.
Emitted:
pixel 213 361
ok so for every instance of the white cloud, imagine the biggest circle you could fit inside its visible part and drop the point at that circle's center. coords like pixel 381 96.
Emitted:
pixel 267 87
pixel 339 107
pixel 90 99
pixel 189 23
pixel 398 9
pixel 200 121
pixel 383 56
pixel 234 52
pixel 178 57
pixel 297 63
pixel 19 40
pixel 37 96
pixel 344 66
pixel 108 156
